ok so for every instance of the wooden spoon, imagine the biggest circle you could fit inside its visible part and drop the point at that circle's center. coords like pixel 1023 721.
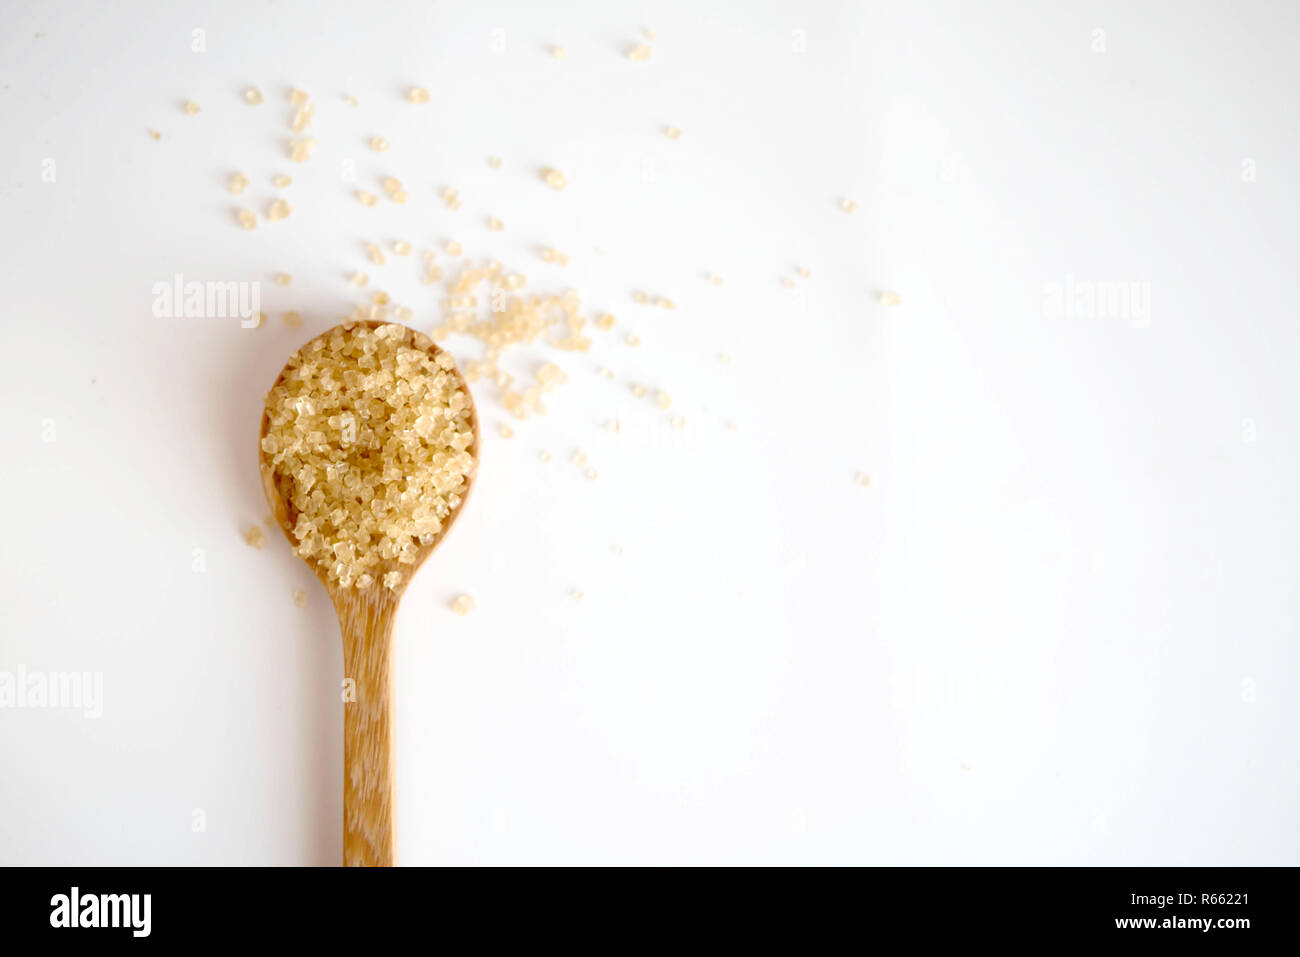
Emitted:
pixel 366 619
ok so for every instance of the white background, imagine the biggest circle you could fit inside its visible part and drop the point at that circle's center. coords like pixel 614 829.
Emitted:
pixel 1059 627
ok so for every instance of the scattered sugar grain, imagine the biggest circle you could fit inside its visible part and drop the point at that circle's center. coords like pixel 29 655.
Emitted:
pixel 300 150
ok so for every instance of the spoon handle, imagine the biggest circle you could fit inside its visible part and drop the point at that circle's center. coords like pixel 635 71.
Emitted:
pixel 366 619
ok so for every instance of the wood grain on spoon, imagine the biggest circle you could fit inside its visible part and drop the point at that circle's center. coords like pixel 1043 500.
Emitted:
pixel 366 619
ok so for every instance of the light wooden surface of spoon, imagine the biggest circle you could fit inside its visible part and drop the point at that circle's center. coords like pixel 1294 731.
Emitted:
pixel 366 618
